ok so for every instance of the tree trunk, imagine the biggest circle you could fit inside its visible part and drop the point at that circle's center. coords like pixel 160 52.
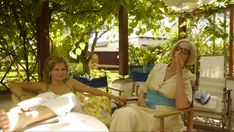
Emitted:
pixel 182 26
pixel 86 69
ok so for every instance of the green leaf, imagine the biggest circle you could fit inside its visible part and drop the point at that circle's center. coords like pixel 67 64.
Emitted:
pixel 82 46
pixel 78 51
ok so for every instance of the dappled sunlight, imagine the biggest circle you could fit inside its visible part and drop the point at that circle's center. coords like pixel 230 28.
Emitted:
pixel 208 121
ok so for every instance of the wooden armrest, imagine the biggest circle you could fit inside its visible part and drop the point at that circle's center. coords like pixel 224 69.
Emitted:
pixel 116 89
pixel 162 115
pixel 132 98
pixel 170 113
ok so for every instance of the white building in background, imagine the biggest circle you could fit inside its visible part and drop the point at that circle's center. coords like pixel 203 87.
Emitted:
pixel 107 47
pixel 140 41
pixel 110 40
pixel 107 52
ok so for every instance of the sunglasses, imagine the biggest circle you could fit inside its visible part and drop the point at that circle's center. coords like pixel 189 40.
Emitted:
pixel 183 50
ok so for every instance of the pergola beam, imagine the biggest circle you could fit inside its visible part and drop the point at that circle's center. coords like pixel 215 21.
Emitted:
pixel 230 9
pixel 199 12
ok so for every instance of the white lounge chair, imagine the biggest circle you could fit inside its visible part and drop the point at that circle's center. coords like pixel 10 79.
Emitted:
pixel 212 80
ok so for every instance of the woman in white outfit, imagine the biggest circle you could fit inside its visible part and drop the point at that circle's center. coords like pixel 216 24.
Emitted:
pixel 168 87
pixel 55 96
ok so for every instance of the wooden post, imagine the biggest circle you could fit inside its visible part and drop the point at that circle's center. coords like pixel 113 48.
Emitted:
pixel 43 37
pixel 190 121
pixel 123 41
pixel 161 124
pixel 230 51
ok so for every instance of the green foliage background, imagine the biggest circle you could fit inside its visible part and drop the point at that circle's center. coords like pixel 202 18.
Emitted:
pixel 73 22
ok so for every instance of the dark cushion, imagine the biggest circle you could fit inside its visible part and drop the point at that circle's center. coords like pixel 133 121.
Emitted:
pixel 139 76
pixel 93 82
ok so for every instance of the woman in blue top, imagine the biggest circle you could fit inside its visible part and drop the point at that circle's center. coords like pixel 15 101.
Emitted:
pixel 168 87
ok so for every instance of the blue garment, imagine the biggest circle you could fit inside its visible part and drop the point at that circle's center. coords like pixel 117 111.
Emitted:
pixel 154 98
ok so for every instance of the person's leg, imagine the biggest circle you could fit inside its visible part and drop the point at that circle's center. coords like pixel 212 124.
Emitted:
pixel 12 120
pixel 124 119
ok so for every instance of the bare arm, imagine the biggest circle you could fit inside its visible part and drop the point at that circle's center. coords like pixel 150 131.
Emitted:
pixel 141 99
pixel 182 101
pixel 85 88
pixel 18 89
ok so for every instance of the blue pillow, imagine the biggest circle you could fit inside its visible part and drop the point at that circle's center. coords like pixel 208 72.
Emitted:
pixel 202 97
pixel 154 98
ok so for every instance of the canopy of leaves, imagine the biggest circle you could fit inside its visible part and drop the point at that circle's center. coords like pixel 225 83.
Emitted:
pixel 73 22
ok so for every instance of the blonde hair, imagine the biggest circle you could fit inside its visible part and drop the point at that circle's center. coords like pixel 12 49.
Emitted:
pixel 192 56
pixel 49 64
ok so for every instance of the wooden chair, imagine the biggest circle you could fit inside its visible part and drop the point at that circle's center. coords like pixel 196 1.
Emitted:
pixel 100 82
pixel 188 113
pixel 98 106
pixel 93 82
pixel 138 79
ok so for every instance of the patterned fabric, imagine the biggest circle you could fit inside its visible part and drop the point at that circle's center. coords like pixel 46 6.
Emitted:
pixel 97 106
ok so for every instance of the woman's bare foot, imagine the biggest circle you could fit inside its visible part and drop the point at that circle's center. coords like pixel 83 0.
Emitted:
pixel 4 120
pixel 9 121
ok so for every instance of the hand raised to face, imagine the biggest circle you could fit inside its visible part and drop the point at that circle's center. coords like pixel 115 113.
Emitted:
pixel 181 55
pixel 180 60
